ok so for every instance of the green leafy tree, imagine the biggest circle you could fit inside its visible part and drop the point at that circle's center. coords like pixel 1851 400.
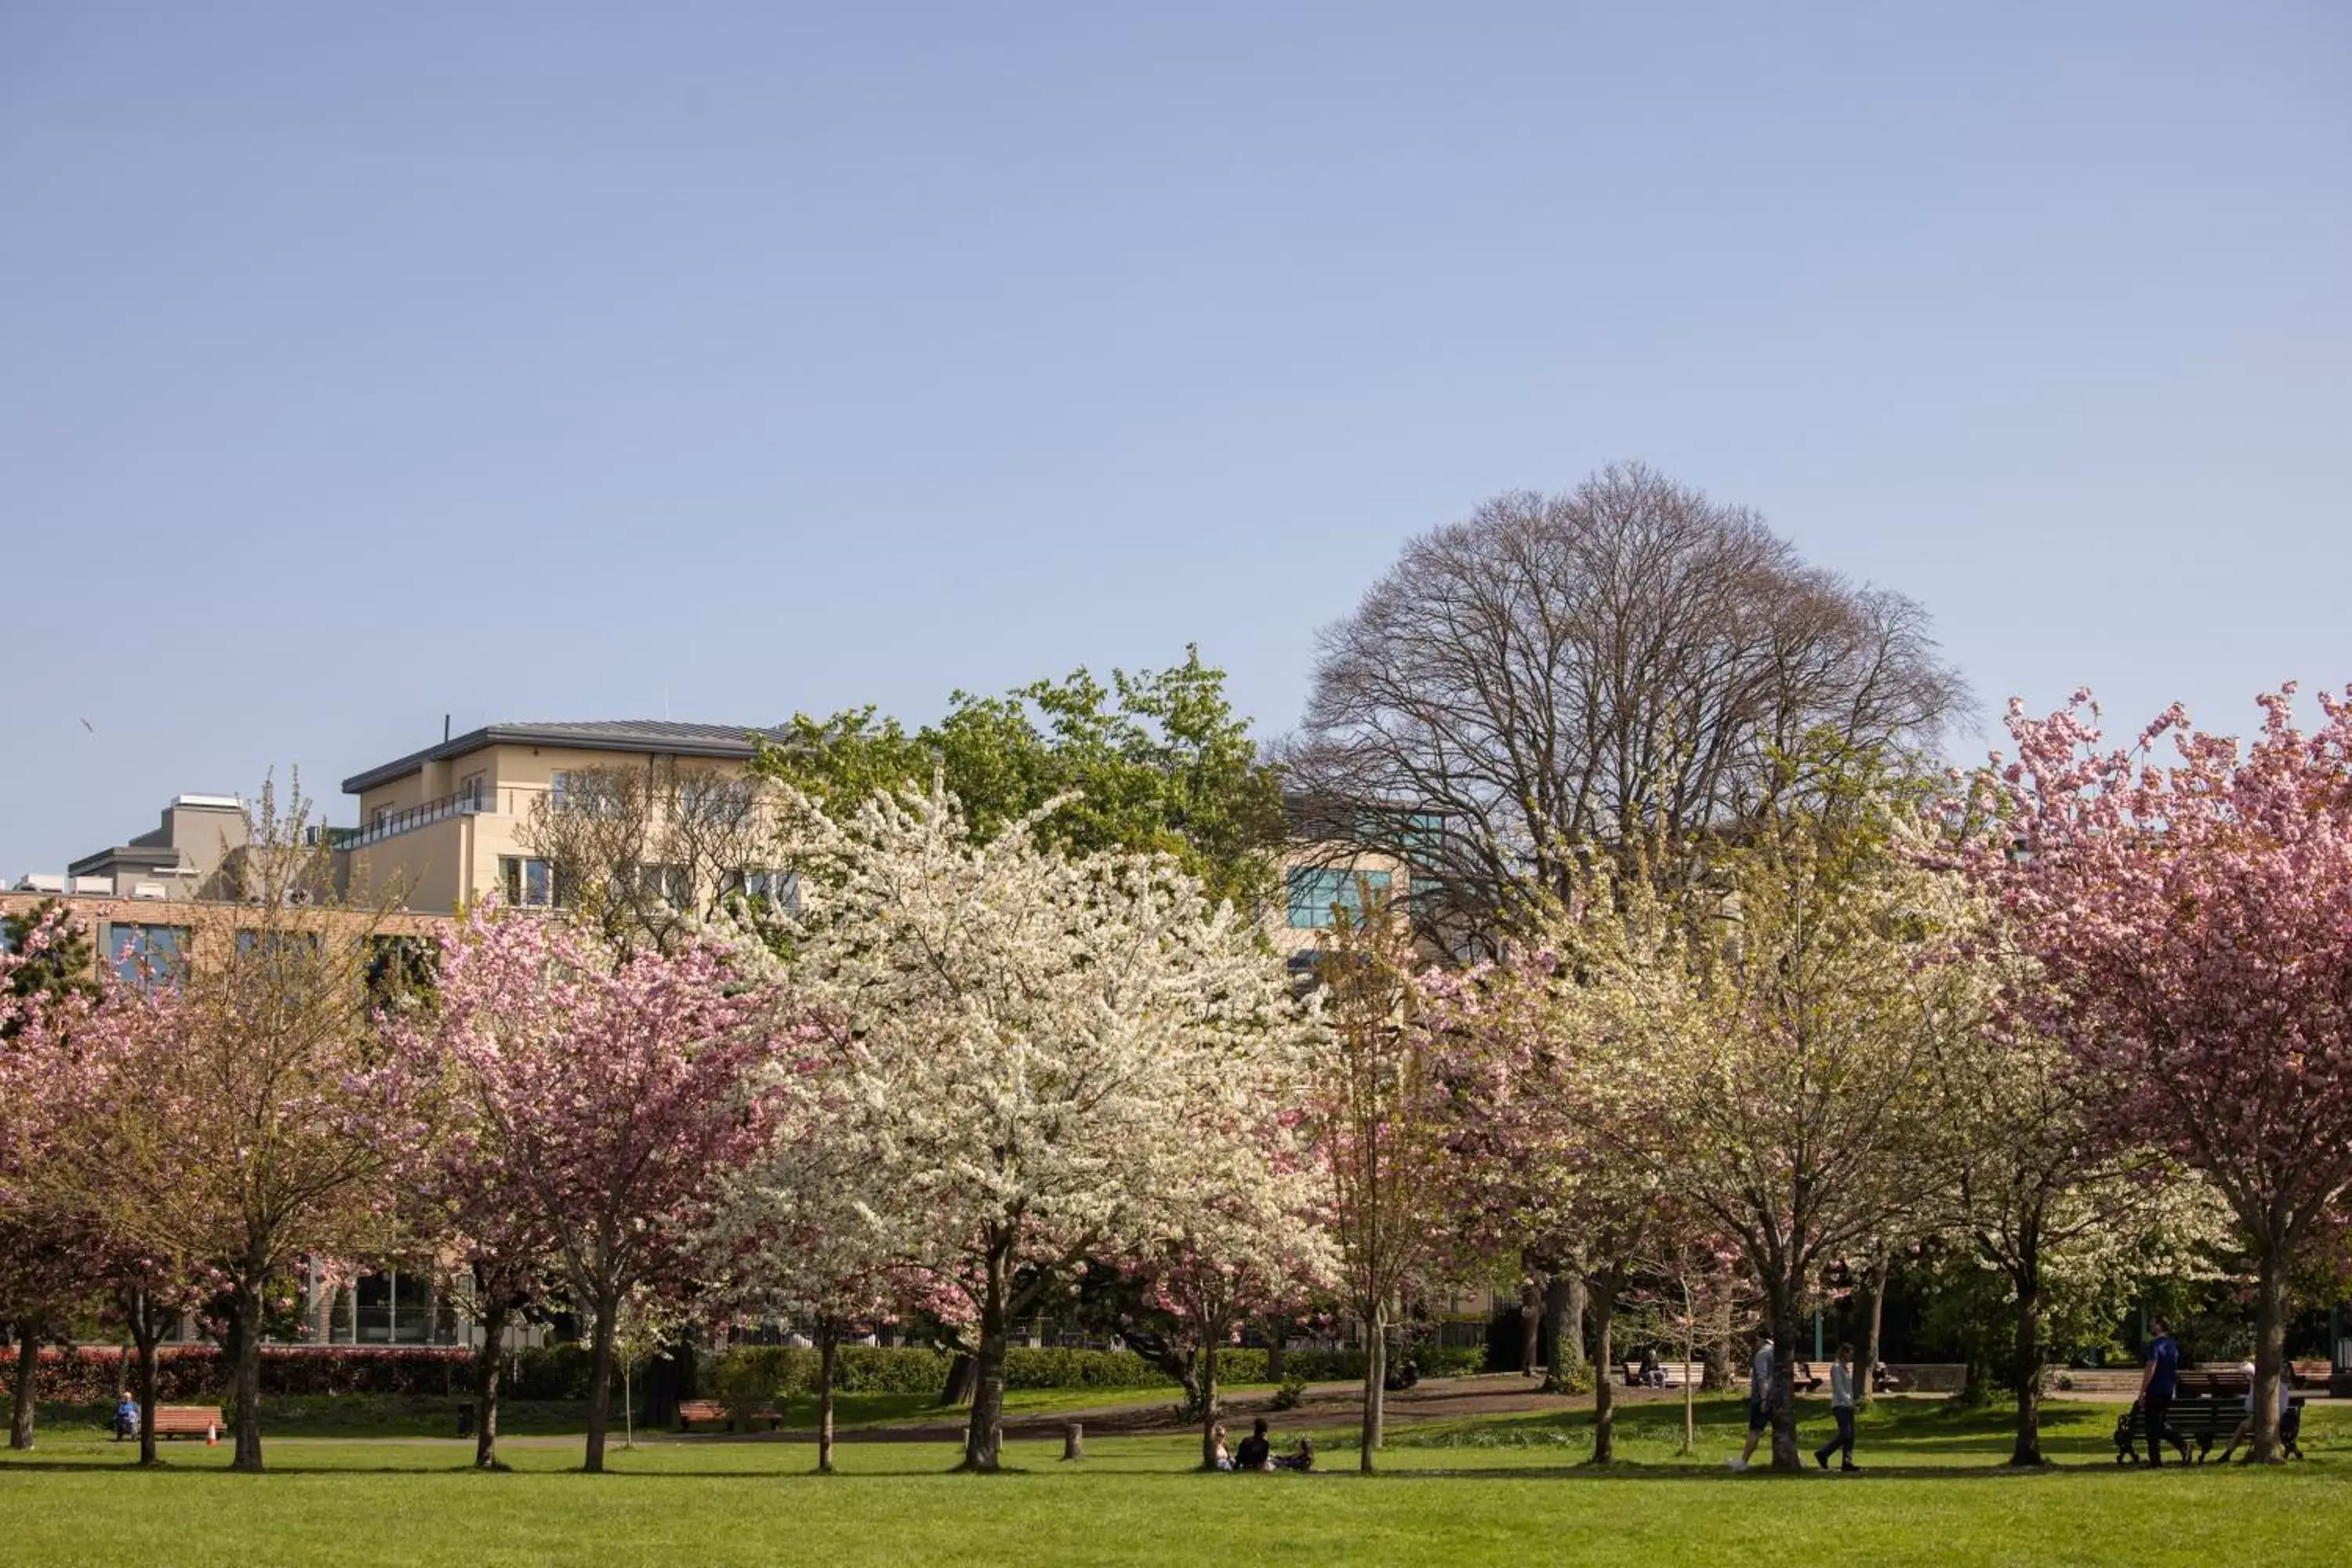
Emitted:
pixel 1156 762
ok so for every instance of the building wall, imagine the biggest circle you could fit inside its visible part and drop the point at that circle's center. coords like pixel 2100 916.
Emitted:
pixel 456 859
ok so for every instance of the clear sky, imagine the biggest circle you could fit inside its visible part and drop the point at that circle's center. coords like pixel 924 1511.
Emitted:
pixel 362 364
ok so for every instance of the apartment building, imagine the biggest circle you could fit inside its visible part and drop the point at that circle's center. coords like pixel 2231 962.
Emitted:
pixel 451 823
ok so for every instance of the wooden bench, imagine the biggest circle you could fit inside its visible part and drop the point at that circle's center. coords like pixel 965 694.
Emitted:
pixel 2311 1373
pixel 1673 1370
pixel 2208 1408
pixel 188 1420
pixel 714 1411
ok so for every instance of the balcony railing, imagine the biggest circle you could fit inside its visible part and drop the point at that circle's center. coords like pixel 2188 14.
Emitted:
pixel 465 803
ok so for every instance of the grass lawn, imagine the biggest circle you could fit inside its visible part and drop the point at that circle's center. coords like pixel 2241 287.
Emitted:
pixel 1498 1490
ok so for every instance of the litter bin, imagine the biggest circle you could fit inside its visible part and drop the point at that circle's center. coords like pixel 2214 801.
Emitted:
pixel 465 1420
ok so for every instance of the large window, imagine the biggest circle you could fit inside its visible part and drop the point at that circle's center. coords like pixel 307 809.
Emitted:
pixel 526 882
pixel 1316 892
pixel 146 955
pixel 779 888
pixel 672 885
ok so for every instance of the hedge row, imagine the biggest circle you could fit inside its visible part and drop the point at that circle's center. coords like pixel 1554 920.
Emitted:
pixel 91 1374
pixel 749 1372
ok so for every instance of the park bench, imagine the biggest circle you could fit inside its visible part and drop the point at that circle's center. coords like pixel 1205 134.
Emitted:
pixel 1631 1371
pixel 2207 1409
pixel 188 1420
pixel 2311 1373
pixel 713 1411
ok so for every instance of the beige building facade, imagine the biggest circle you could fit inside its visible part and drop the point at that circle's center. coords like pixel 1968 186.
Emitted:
pixel 449 825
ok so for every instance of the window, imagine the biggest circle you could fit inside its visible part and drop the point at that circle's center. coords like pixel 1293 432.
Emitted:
pixel 714 799
pixel 671 884
pixel 1424 833
pixel 781 889
pixel 146 955
pixel 400 967
pixel 593 791
pixel 475 787
pixel 1316 891
pixel 525 882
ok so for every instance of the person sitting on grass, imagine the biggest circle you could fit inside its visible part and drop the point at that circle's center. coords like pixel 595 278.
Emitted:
pixel 1256 1453
pixel 1299 1458
pixel 1217 1455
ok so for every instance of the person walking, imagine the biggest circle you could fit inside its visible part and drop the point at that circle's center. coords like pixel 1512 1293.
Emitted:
pixel 1841 1409
pixel 1763 1388
pixel 2157 1386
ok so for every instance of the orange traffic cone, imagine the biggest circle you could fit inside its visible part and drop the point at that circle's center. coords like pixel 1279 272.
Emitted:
pixel 212 1434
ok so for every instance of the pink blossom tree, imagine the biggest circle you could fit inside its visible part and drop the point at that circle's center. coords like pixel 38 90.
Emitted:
pixel 56 1250
pixel 606 1094
pixel 2193 918
pixel 237 1111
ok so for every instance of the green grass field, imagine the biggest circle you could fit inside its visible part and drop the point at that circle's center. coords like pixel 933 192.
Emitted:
pixel 1500 1491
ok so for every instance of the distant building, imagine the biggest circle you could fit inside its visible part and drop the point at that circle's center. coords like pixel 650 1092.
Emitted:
pixel 181 858
pixel 445 825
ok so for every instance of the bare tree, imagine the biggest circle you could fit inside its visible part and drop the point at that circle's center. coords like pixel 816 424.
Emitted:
pixel 1625 661
pixel 646 854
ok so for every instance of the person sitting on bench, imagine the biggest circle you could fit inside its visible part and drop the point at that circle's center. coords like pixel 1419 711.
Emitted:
pixel 2245 1432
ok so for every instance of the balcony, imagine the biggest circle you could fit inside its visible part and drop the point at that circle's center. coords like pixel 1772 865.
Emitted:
pixel 465 803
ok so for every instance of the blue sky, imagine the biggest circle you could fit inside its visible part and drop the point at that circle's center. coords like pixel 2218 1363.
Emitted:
pixel 359 364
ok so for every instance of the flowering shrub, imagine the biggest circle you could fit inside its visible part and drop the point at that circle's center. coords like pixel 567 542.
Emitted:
pixel 90 1374
pixel 753 1373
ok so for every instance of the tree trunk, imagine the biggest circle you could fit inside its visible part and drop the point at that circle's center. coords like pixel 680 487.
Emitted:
pixel 28 1379
pixel 1787 1323
pixel 1563 1325
pixel 828 1344
pixel 980 1450
pixel 144 1331
pixel 246 1327
pixel 486 1384
pixel 1276 1333
pixel 1866 1362
pixel 958 1388
pixel 2028 1280
pixel 2270 1354
pixel 1208 1402
pixel 1604 1385
pixel 1376 1375
pixel 599 1382
pixel 1530 1326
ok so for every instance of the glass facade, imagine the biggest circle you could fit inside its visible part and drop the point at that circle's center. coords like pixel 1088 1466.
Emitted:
pixel 525 883
pixel 144 954
pixel 1316 892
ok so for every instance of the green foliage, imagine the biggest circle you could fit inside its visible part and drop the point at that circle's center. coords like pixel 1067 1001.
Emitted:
pixel 1158 760
pixel 1289 1395
pixel 751 1373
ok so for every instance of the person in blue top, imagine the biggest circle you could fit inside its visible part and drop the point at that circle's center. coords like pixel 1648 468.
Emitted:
pixel 126 1415
pixel 2157 1385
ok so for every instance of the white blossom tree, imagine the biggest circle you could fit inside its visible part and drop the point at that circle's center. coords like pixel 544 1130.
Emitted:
pixel 1044 1055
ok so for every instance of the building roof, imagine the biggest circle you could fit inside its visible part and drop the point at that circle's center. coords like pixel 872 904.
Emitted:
pixel 659 735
